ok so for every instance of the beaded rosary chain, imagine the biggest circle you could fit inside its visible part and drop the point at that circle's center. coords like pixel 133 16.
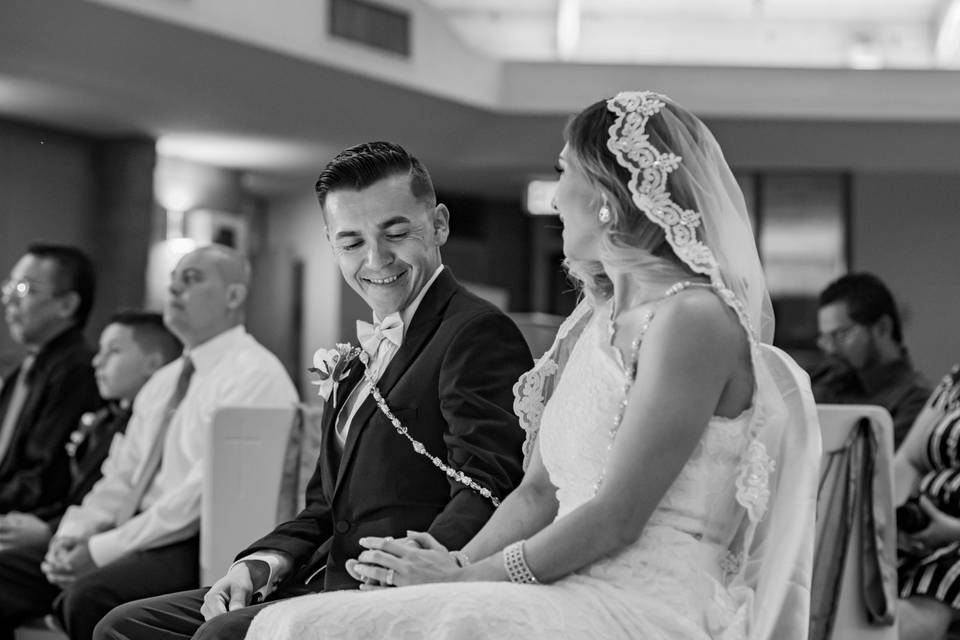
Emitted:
pixel 418 446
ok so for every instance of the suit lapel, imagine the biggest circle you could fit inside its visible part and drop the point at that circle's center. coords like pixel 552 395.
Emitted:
pixel 422 327
pixel 331 457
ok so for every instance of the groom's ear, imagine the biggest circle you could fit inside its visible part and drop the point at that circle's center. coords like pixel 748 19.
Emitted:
pixel 441 224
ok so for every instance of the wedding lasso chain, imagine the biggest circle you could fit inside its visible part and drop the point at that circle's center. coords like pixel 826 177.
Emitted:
pixel 418 446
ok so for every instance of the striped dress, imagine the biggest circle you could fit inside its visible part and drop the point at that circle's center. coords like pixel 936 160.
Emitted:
pixel 937 574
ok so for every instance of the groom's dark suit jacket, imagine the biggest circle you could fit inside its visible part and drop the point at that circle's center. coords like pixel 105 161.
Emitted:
pixel 450 384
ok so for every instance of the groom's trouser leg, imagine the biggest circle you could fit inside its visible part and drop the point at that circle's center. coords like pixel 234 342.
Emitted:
pixel 175 616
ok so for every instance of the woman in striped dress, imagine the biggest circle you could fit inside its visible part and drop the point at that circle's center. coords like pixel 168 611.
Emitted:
pixel 929 528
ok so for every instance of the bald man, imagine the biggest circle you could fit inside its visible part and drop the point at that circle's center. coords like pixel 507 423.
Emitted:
pixel 136 533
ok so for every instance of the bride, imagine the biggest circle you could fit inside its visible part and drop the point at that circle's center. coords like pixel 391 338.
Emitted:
pixel 672 451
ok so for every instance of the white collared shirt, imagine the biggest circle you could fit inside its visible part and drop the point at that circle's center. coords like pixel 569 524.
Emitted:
pixel 384 355
pixel 230 369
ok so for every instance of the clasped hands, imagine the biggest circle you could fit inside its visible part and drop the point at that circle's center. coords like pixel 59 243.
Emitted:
pixel 416 559
pixel 386 562
pixel 67 560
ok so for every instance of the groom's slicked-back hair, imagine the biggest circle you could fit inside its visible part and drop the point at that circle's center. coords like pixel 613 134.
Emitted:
pixel 362 165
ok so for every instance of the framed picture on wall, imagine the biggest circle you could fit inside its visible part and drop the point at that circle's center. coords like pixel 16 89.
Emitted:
pixel 209 226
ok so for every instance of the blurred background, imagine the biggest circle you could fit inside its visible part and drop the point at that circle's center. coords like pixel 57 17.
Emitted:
pixel 137 129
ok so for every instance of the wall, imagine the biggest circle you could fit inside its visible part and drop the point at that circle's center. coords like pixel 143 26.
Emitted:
pixel 905 229
pixel 294 233
pixel 90 192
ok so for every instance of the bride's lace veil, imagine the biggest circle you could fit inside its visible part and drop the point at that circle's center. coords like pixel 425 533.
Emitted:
pixel 673 174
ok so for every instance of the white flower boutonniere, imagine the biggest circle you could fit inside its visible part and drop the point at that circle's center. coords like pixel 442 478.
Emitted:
pixel 332 366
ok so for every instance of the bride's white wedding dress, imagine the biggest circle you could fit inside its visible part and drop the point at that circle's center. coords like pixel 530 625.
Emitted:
pixel 668 584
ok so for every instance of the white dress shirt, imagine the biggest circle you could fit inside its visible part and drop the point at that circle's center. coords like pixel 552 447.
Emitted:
pixel 231 369
pixel 379 363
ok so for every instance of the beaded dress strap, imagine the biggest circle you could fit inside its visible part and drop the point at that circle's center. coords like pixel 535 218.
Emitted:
pixel 631 371
pixel 634 351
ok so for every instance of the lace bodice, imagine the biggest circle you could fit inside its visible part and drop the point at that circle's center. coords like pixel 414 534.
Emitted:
pixel 576 439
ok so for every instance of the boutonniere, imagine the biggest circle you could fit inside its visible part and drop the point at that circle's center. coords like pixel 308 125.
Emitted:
pixel 332 366
pixel 89 421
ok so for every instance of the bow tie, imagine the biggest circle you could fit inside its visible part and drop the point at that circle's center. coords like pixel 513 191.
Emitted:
pixel 371 335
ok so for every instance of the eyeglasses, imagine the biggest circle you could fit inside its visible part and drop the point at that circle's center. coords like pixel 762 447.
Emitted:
pixel 831 338
pixel 18 289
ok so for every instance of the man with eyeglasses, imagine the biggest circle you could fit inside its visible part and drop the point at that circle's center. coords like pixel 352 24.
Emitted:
pixel 867 362
pixel 46 300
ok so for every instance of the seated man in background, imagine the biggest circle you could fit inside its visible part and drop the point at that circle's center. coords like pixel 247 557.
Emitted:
pixel 133 346
pixel 136 532
pixel 438 359
pixel 867 362
pixel 47 299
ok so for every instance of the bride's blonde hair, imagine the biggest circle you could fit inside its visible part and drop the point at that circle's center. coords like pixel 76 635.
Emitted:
pixel 630 241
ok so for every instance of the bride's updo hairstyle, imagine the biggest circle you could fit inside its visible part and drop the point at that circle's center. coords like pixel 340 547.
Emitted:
pixel 631 240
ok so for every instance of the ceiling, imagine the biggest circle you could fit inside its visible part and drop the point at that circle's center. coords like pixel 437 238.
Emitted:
pixel 785 33
pixel 249 86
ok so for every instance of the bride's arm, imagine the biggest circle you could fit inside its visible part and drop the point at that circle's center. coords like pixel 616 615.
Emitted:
pixel 690 353
pixel 528 509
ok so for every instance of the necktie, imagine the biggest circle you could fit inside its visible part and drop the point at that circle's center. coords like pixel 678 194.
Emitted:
pixel 18 398
pixel 152 465
pixel 371 335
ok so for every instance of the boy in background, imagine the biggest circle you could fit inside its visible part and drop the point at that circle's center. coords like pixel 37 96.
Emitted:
pixel 133 345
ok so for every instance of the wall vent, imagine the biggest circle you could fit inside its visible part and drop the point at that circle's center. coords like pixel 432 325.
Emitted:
pixel 370 24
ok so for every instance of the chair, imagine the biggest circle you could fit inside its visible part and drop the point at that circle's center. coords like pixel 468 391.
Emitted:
pixel 837 424
pixel 242 477
pixel 538 329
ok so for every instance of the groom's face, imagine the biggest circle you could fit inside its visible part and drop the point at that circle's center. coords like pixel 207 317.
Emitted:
pixel 386 241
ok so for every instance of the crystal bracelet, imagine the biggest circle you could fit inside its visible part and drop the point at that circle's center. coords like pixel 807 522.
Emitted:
pixel 460 558
pixel 516 565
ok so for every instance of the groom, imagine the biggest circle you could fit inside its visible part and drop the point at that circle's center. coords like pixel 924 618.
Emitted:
pixel 444 361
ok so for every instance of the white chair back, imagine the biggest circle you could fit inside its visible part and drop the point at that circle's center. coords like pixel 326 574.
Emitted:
pixel 836 423
pixel 241 482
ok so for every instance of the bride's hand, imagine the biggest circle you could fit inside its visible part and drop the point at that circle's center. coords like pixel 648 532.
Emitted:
pixel 416 559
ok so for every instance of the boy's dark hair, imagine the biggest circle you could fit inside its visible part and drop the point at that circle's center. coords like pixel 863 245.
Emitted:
pixel 149 332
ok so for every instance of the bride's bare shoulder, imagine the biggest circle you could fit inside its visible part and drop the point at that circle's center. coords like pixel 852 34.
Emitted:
pixel 696 313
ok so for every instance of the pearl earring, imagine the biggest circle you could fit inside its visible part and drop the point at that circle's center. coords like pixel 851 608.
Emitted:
pixel 604 214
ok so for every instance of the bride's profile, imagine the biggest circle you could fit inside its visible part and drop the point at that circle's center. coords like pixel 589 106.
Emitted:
pixel 672 452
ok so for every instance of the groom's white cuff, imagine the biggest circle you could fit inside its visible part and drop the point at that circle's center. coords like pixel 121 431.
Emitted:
pixel 272 561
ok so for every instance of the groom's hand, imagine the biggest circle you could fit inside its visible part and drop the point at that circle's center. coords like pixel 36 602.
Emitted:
pixel 235 590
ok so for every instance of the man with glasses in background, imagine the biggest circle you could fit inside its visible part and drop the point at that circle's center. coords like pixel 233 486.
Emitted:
pixel 867 362
pixel 46 300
